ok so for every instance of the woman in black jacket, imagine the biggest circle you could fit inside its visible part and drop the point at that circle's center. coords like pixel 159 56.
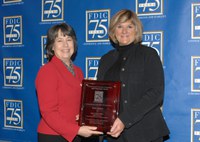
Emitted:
pixel 141 74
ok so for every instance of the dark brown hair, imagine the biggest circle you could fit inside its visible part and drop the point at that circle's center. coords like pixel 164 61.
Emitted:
pixel 53 33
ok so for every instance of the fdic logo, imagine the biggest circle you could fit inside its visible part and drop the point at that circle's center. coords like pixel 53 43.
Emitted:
pixel 195 124
pixel 43 49
pixel 149 7
pixel 13 72
pixel 154 39
pixel 12 30
pixel 92 64
pixel 97 22
pixel 11 1
pixel 52 10
pixel 195 73
pixel 13 113
pixel 195 26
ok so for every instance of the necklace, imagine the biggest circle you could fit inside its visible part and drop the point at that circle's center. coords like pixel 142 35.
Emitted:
pixel 70 67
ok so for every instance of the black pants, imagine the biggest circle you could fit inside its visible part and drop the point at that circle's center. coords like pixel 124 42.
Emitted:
pixel 54 138
pixel 50 138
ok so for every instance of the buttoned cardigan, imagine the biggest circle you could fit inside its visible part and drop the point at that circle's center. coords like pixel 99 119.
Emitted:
pixel 141 74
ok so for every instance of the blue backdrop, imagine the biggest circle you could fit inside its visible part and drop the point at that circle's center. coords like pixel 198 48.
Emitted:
pixel 171 27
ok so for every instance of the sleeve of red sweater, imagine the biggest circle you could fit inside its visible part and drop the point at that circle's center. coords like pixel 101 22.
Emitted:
pixel 46 86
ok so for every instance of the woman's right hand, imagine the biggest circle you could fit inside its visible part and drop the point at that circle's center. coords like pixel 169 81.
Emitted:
pixel 87 131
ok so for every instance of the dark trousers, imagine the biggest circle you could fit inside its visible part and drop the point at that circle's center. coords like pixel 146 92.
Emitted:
pixel 50 138
pixel 55 138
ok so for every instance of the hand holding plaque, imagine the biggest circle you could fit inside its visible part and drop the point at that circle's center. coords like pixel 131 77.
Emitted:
pixel 99 104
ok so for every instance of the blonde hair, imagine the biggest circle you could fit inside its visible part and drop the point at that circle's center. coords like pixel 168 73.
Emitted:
pixel 123 16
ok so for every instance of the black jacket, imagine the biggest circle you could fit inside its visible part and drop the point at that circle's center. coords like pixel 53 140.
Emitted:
pixel 142 93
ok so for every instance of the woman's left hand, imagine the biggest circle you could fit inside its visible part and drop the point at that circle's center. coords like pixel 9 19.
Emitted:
pixel 117 128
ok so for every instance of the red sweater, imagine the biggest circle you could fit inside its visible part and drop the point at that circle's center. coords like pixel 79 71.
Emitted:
pixel 59 99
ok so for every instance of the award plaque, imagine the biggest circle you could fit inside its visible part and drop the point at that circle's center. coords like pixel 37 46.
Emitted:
pixel 99 104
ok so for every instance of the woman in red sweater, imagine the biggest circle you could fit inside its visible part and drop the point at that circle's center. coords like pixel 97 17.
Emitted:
pixel 58 86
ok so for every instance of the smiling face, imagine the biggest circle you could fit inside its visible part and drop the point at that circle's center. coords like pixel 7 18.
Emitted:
pixel 125 33
pixel 63 47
